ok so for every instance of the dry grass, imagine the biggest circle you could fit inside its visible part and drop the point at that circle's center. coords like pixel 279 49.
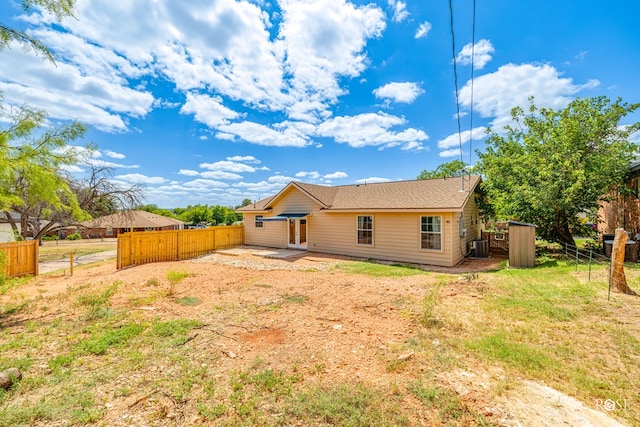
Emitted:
pixel 99 354
pixel 55 250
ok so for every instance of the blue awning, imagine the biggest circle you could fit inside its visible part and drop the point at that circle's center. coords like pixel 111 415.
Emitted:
pixel 282 217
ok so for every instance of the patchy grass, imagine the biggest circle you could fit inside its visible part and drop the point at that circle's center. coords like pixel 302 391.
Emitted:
pixel 549 324
pixel 52 251
pixel 379 270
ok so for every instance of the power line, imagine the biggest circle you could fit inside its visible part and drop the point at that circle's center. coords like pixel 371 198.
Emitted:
pixel 473 57
pixel 455 80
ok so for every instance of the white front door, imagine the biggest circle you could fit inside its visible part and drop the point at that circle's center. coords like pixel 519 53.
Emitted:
pixel 297 233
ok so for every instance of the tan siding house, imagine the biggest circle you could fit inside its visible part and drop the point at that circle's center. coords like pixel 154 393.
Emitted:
pixel 422 221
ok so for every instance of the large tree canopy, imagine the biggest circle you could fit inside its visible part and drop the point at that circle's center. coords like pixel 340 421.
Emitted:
pixel 555 164
pixel 36 192
pixel 32 160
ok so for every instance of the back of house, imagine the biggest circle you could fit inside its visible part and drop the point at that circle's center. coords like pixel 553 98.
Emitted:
pixel 419 221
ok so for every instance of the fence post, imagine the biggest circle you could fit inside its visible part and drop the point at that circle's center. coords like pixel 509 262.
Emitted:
pixel 590 258
pixel 177 245
pixel 610 276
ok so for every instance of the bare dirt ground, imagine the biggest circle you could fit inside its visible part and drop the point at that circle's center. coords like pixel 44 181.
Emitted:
pixel 333 326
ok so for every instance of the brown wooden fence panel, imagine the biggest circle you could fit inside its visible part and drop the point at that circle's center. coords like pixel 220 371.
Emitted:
pixel 20 258
pixel 144 247
pixel 497 240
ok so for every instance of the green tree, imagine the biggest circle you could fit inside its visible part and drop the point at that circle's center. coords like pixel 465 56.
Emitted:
pixel 556 164
pixel 198 214
pixel 245 202
pixel 32 159
pixel 153 208
pixel 446 170
pixel 60 8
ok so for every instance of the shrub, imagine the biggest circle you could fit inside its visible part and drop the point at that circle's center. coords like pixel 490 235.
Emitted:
pixel 74 236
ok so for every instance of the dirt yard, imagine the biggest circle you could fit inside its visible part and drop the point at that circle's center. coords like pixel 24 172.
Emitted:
pixel 302 316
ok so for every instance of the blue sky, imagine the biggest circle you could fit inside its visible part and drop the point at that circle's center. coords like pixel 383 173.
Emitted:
pixel 216 101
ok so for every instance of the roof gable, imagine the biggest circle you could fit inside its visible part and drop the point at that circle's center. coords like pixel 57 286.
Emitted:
pixel 440 193
pixel 132 219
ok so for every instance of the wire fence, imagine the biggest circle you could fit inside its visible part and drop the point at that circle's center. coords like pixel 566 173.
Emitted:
pixel 589 257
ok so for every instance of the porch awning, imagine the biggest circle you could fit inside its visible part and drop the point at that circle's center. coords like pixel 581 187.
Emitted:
pixel 283 217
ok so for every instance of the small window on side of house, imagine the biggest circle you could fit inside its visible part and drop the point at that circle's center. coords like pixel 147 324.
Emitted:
pixel 365 230
pixel 258 221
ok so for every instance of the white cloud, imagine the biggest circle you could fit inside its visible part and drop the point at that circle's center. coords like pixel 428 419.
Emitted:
pixel 260 189
pixel 336 175
pixel 371 129
pixel 113 154
pixel 453 140
pixel 423 30
pixel 137 178
pixel 454 152
pixel 497 93
pixel 310 174
pixel 188 172
pixel 482 52
pixel 257 133
pixel 399 10
pixel 324 40
pixel 208 110
pixel 106 164
pixel 212 52
pixel 372 180
pixel 71 168
pixel 205 184
pixel 281 179
pixel 245 159
pixel 228 166
pixel 220 175
pixel 67 91
pixel 405 92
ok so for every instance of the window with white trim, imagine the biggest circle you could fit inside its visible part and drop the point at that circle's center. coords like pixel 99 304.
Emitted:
pixel 258 221
pixel 365 230
pixel 431 232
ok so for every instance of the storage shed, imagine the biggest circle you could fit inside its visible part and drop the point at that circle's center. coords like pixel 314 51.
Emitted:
pixel 522 245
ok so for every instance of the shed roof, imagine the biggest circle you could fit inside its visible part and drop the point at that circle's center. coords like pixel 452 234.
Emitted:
pixel 441 193
pixel 132 219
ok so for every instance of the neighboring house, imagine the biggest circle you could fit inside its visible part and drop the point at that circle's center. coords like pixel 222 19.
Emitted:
pixel 5 225
pixel 623 210
pixel 6 233
pixel 123 222
pixel 423 221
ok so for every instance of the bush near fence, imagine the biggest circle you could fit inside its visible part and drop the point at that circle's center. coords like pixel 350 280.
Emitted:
pixel 19 259
pixel 143 247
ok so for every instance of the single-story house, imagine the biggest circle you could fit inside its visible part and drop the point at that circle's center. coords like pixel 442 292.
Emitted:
pixel 125 221
pixel 420 221
pixel 623 209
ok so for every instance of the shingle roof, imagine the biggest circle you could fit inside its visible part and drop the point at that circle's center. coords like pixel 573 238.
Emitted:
pixel 441 193
pixel 132 219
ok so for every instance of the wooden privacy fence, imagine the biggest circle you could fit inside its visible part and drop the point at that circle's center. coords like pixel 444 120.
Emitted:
pixel 498 240
pixel 19 258
pixel 144 247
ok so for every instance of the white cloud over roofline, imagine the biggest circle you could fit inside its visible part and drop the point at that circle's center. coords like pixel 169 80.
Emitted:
pixel 497 93
pixel 371 129
pixel 423 30
pixel 137 178
pixel 482 54
pixel 454 140
pixel 404 92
